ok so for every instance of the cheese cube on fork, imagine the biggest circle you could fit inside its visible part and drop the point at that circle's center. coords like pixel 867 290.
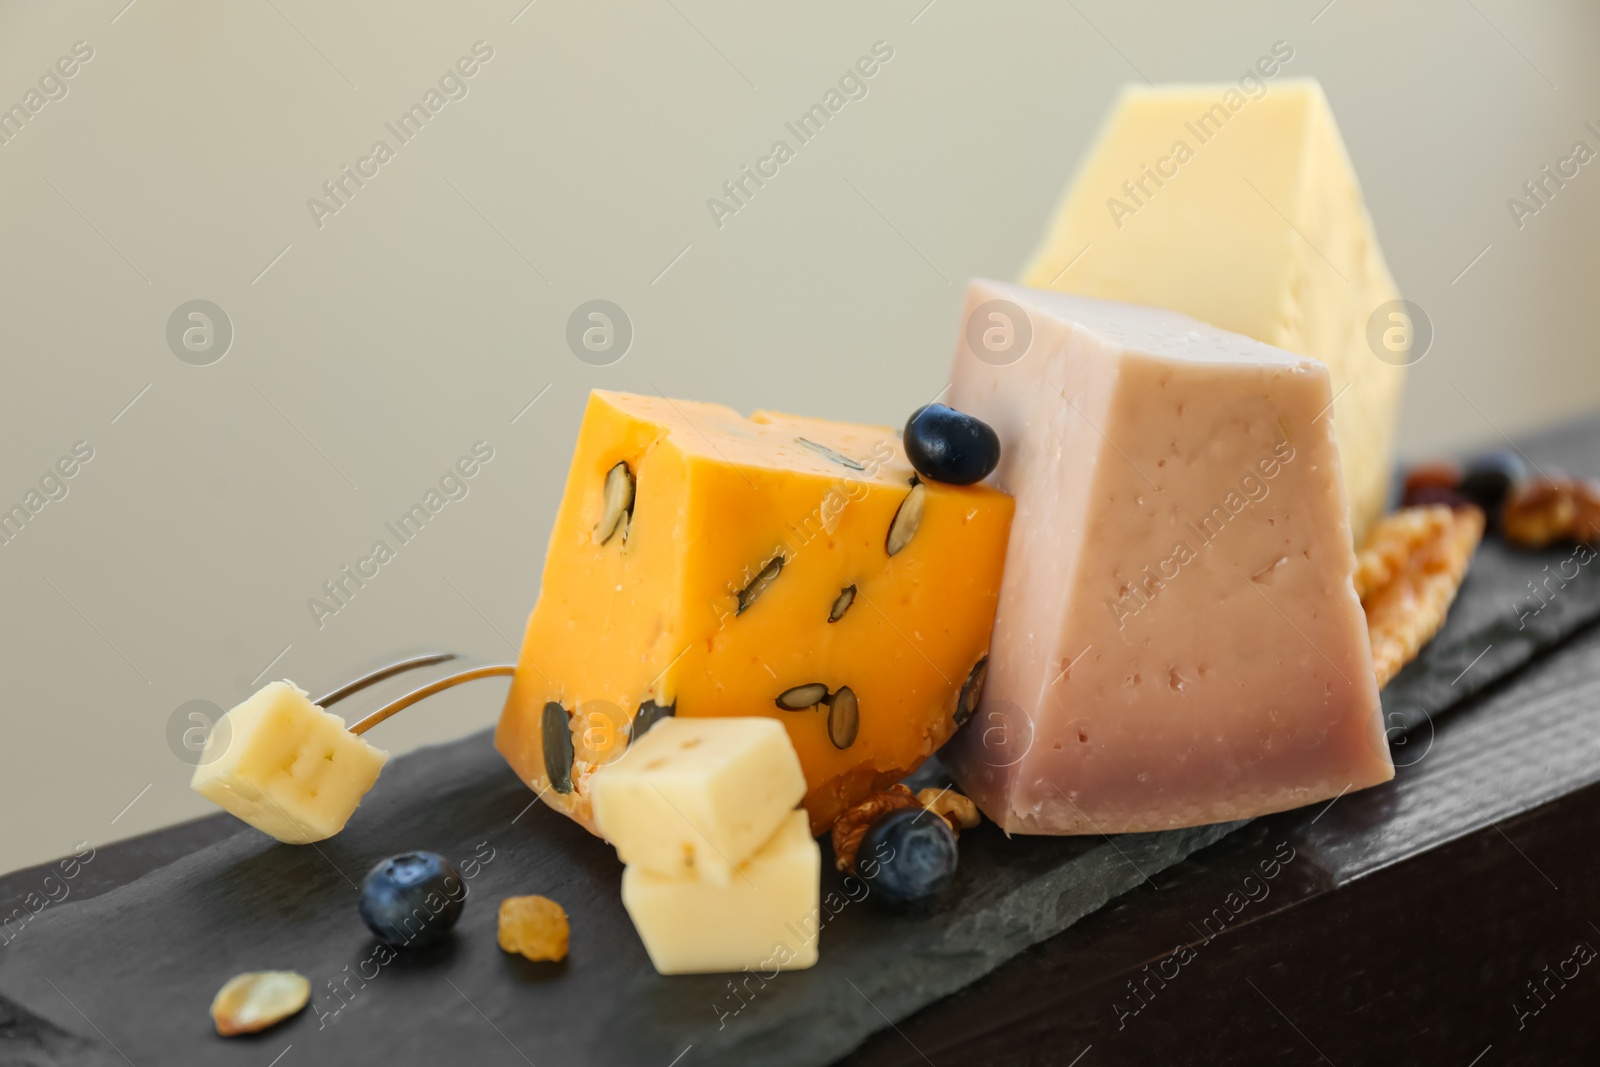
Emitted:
pixel 286 766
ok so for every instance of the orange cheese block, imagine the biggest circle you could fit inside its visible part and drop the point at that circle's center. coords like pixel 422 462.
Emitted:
pixel 707 564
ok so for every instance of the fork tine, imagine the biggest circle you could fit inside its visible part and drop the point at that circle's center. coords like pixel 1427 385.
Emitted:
pixel 471 674
pixel 381 673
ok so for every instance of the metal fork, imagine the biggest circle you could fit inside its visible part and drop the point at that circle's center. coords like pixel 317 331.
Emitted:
pixel 399 667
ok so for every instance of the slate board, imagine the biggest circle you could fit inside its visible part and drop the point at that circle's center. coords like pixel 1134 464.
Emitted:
pixel 126 976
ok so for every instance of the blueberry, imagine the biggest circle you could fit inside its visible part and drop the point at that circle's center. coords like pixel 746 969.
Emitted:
pixel 1489 479
pixel 945 445
pixel 909 855
pixel 412 899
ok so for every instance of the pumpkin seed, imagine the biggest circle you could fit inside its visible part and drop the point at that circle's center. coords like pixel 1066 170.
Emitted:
pixel 844 717
pixel 759 583
pixel 558 750
pixel 801 697
pixel 971 691
pixel 906 519
pixel 648 715
pixel 838 457
pixel 618 509
pixel 841 603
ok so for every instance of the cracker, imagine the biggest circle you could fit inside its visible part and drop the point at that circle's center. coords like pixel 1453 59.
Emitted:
pixel 1407 576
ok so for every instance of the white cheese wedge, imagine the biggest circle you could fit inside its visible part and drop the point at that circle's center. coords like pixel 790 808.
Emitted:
pixel 766 918
pixel 1178 639
pixel 286 767
pixel 696 797
pixel 1242 209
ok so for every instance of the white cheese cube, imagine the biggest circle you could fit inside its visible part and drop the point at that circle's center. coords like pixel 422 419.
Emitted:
pixel 286 767
pixel 765 918
pixel 697 797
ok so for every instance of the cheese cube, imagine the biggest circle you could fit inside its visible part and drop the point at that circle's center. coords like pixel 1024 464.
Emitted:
pixel 286 767
pixel 698 797
pixel 708 565
pixel 1179 639
pixel 1243 210
pixel 767 917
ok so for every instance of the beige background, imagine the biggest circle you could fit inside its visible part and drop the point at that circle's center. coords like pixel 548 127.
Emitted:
pixel 370 353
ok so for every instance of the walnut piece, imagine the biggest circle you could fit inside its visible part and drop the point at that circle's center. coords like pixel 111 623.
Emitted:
pixel 534 927
pixel 1551 509
pixel 1407 576
pixel 851 827
pixel 958 810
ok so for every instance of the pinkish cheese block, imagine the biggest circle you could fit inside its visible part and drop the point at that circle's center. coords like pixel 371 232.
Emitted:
pixel 1178 640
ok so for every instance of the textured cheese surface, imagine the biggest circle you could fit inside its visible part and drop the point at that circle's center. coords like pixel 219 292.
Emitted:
pixel 1257 225
pixel 697 797
pixel 765 918
pixel 1178 639
pixel 286 767
pixel 676 613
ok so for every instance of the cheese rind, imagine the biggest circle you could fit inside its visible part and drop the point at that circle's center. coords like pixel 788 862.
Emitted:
pixel 286 767
pixel 688 607
pixel 766 917
pixel 1243 211
pixel 698 797
pixel 1178 639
